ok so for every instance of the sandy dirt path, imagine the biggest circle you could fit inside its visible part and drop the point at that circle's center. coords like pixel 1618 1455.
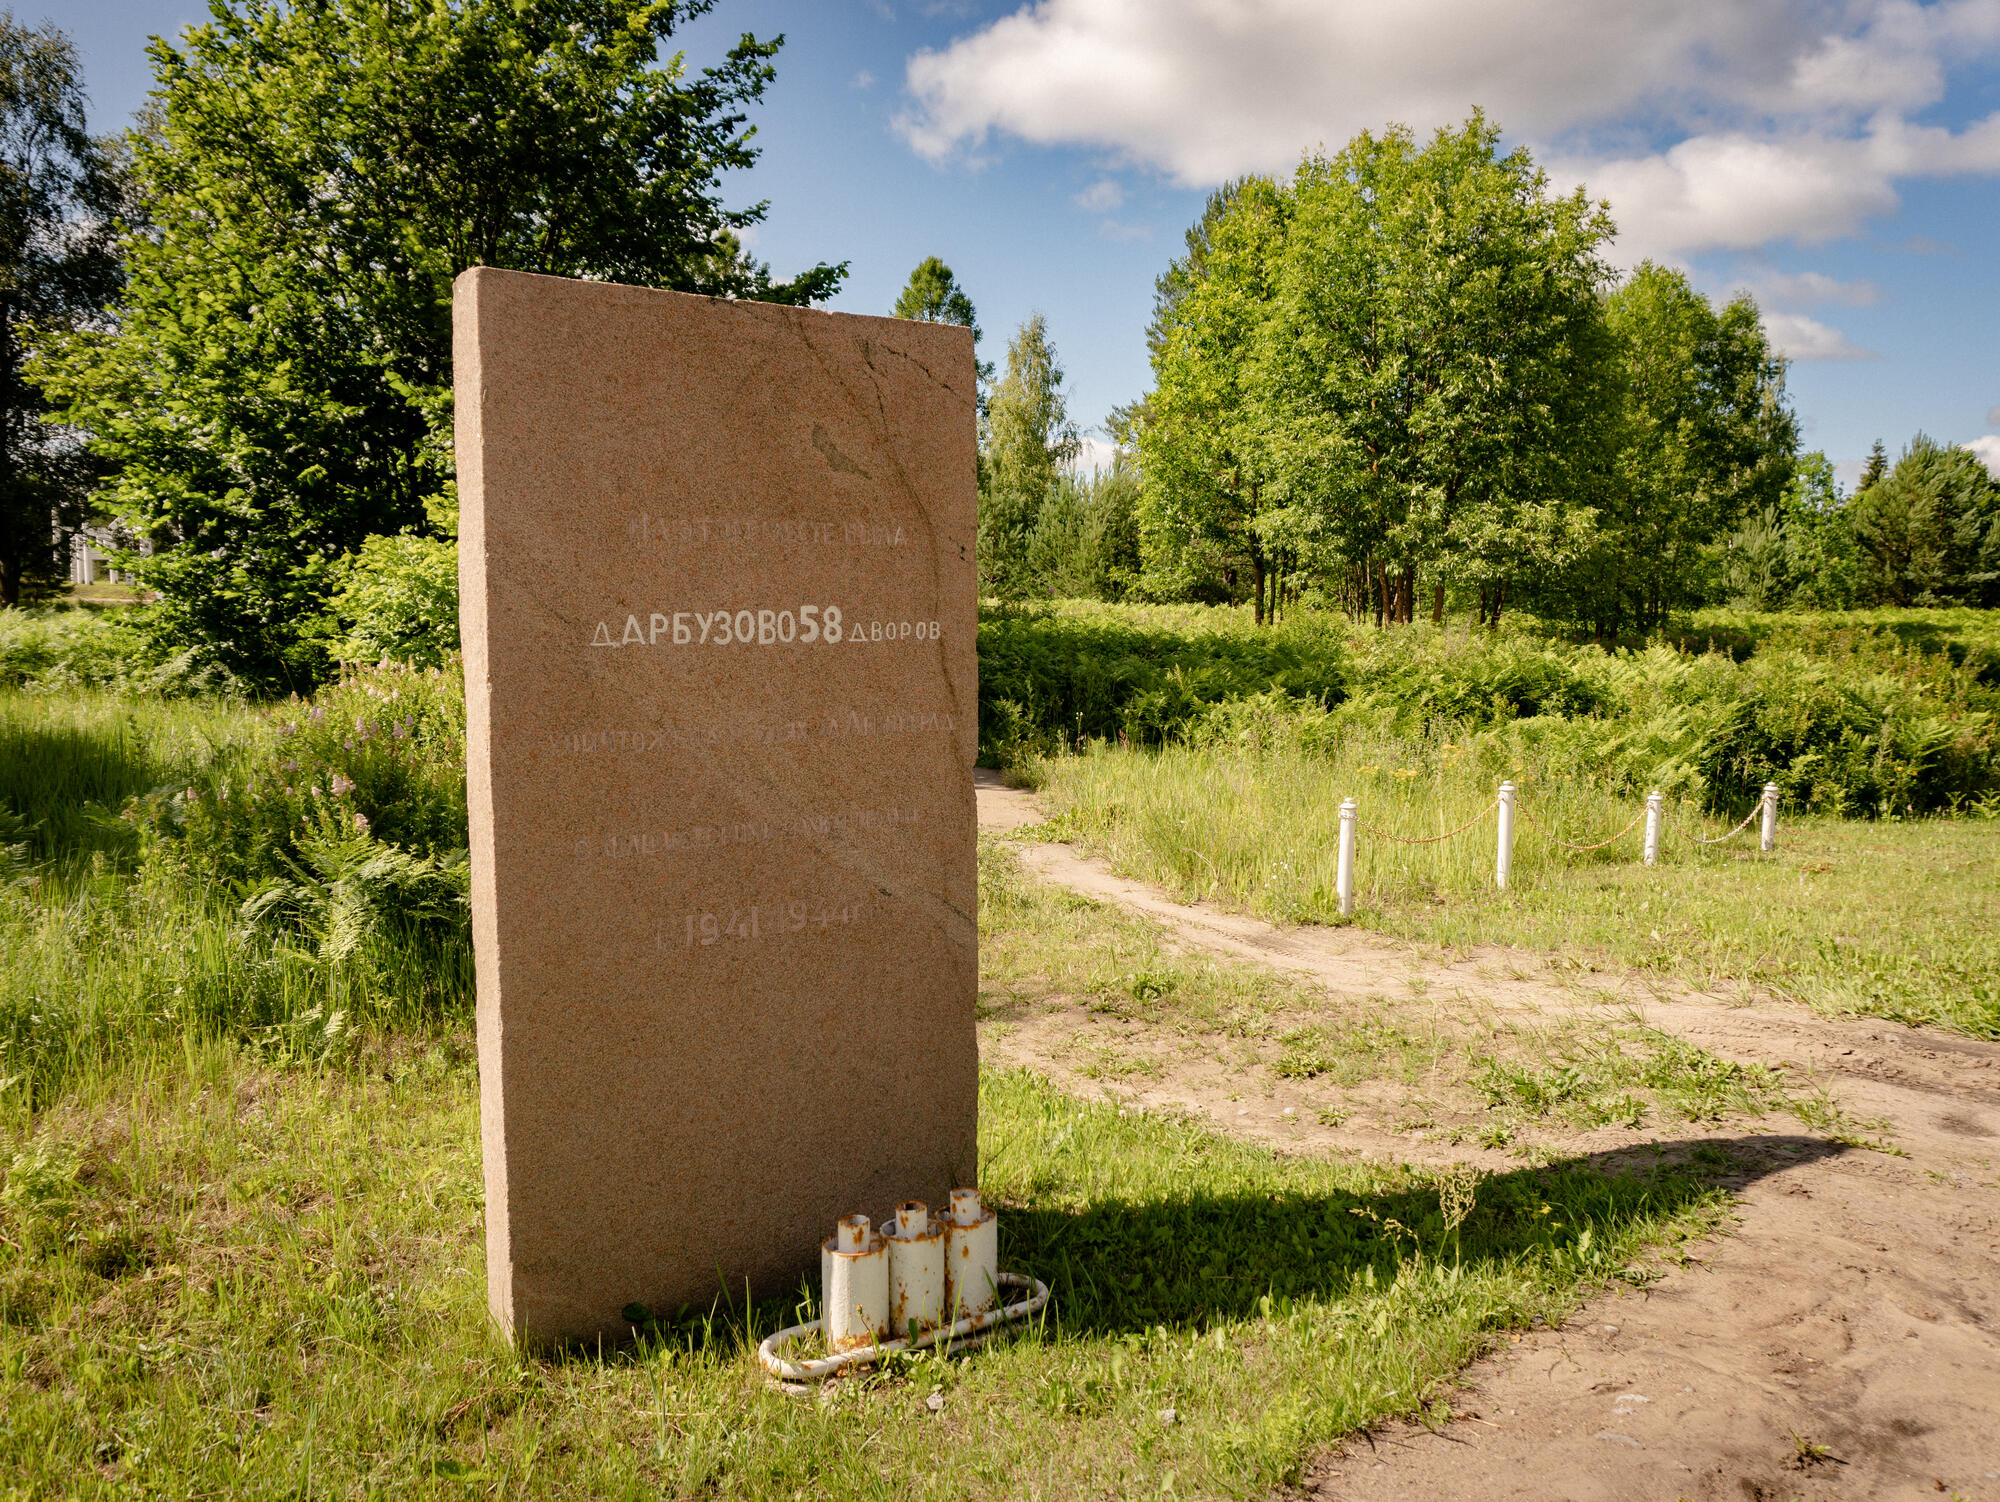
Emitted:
pixel 1843 1342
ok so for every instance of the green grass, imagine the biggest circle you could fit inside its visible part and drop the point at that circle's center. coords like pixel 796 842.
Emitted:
pixel 240 1221
pixel 69 762
pixel 220 1279
pixel 1893 918
pixel 110 947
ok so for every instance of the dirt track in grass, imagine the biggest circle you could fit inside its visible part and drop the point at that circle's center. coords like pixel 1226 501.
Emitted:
pixel 1843 1342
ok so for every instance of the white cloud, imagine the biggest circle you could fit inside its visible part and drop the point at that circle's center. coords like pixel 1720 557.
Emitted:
pixel 1708 123
pixel 1807 289
pixel 1098 451
pixel 1798 337
pixel 864 80
pixel 1993 417
pixel 1101 197
pixel 1988 450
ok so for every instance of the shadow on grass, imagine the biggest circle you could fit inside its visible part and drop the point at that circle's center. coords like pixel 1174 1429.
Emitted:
pixel 61 785
pixel 1121 1266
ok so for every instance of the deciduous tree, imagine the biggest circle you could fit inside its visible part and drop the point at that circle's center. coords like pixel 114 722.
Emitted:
pixel 1436 366
pixel 314 175
pixel 58 266
pixel 1030 444
pixel 1704 439
pixel 1203 432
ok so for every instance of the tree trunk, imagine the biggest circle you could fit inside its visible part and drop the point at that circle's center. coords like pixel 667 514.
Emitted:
pixel 1257 585
pixel 1499 599
pixel 11 560
pixel 1437 605
pixel 1381 592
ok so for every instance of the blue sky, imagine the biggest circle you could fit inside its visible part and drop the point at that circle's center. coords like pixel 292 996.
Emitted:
pixel 1839 158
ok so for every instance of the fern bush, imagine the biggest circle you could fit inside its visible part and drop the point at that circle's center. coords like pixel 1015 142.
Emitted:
pixel 1873 715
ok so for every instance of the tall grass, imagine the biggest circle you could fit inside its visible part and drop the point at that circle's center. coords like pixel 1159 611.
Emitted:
pixel 1892 917
pixel 181 869
pixel 1259 827
pixel 70 762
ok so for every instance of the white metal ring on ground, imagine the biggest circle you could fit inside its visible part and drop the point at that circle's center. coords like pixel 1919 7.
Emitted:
pixel 825 1366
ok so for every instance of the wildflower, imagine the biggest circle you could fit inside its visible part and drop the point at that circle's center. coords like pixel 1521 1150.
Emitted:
pixel 342 785
pixel 291 764
pixel 361 823
pixel 318 714
pixel 288 728
pixel 192 795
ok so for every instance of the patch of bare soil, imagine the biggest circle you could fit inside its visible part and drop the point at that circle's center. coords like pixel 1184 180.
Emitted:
pixel 1844 1342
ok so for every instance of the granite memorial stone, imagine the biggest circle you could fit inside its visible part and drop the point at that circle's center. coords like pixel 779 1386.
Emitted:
pixel 718 613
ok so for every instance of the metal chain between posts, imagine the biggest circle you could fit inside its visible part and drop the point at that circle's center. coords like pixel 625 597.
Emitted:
pixel 1530 818
pixel 1427 839
pixel 1508 803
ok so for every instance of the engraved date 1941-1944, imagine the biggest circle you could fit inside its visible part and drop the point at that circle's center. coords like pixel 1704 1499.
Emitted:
pixel 759 920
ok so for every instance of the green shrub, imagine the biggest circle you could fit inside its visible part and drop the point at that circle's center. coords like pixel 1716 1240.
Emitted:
pixel 279 875
pixel 1049 678
pixel 1469 679
pixel 1861 713
pixel 396 600
pixel 378 755
pixel 56 649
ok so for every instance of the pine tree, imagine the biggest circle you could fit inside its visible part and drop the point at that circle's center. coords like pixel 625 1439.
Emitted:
pixel 1876 467
pixel 933 295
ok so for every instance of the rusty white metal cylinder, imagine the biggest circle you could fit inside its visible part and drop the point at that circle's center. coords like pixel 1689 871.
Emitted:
pixel 1655 803
pixel 1503 855
pixel 1768 840
pixel 971 1255
pixel 854 1285
pixel 916 1270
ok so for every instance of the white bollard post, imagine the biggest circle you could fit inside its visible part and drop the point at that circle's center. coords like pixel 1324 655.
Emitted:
pixel 1654 802
pixel 1503 861
pixel 1770 841
pixel 1343 880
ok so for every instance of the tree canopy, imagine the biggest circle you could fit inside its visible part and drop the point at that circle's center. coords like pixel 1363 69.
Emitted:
pixel 1410 370
pixel 313 176
pixel 933 295
pixel 1030 445
pixel 58 267
pixel 1927 531
pixel 1704 438
pixel 1203 434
